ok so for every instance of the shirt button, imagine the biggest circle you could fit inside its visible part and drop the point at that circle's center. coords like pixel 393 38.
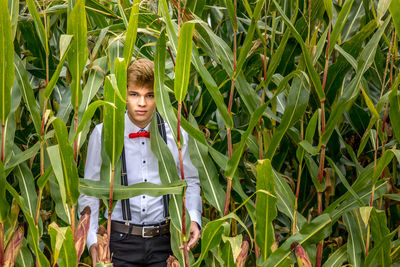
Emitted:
pixel 145 180
pixel 144 196
pixel 143 210
pixel 142 143
pixel 144 161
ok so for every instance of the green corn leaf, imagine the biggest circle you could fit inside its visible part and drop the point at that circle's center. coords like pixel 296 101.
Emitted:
pixel 78 53
pixel 340 22
pixel 40 31
pixel 27 93
pixel 164 105
pixel 383 6
pixel 24 256
pixel 33 230
pixel 394 108
pixel 248 41
pixel 18 158
pixel 352 89
pixel 357 236
pixel 295 107
pixel 131 32
pixel 70 172
pixel 379 255
pixel 208 174
pixel 306 55
pixel 337 258
pixel 350 203
pixel 3 201
pixel 10 127
pixel 62 245
pixel 65 45
pixel 42 180
pixel 114 120
pixel 212 88
pixel 234 161
pixel 265 209
pixel 329 8
pixel 344 181
pixel 26 184
pixel 183 61
pixel 395 13
pixel 167 170
pixel 211 237
pixel 56 165
pixel 310 233
pixel 6 57
pixel 95 80
pixel 231 12
pixel 13 10
pixel 87 116
pixel 101 189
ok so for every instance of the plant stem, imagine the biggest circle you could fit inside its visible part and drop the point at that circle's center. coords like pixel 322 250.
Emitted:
pixel 323 147
pixel 294 228
pixel 110 211
pixel 229 130
pixel 185 243
pixel 1 244
pixel 76 140
pixel 3 130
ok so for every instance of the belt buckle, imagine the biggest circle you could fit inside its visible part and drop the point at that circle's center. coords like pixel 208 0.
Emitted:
pixel 143 231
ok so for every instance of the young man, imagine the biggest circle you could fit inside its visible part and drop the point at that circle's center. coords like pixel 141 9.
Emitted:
pixel 145 240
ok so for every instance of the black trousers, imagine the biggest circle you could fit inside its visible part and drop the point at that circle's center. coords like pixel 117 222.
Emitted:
pixel 136 251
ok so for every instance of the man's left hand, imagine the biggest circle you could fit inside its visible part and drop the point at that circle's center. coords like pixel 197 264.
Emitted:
pixel 194 235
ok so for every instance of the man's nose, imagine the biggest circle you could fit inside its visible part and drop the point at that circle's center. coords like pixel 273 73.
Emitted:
pixel 142 101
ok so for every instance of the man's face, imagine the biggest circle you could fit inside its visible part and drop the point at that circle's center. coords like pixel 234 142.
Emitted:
pixel 141 104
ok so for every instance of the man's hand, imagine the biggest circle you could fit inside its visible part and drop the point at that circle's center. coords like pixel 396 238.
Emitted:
pixel 194 235
pixel 93 253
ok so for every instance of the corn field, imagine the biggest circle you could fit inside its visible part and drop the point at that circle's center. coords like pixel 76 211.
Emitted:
pixel 293 108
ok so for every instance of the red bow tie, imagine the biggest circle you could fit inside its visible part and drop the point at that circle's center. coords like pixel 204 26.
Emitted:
pixel 139 134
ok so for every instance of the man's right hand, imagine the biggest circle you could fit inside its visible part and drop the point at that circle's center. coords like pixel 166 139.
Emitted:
pixel 93 253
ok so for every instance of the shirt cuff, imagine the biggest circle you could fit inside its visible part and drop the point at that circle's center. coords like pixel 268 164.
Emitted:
pixel 195 216
pixel 91 239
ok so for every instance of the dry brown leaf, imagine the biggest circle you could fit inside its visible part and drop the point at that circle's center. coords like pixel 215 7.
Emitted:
pixel 13 247
pixel 81 232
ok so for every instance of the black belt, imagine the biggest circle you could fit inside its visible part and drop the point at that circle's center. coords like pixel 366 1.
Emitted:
pixel 143 231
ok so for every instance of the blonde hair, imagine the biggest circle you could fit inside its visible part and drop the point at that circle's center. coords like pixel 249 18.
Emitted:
pixel 141 72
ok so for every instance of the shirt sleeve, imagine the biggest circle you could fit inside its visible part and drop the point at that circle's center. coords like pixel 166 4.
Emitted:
pixel 92 172
pixel 193 197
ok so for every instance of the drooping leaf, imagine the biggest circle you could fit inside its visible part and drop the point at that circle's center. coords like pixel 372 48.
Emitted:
pixel 40 31
pixel 352 89
pixel 312 232
pixel 62 244
pixel 65 45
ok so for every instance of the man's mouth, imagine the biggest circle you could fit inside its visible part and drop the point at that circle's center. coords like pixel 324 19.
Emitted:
pixel 141 112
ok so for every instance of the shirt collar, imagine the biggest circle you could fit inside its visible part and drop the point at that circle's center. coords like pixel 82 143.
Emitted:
pixel 130 127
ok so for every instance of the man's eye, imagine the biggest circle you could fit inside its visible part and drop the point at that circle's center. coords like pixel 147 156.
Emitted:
pixel 132 94
pixel 150 96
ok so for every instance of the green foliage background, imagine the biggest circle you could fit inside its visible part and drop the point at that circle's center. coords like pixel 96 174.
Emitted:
pixel 292 108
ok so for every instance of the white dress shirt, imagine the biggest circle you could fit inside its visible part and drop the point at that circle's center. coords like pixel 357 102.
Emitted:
pixel 141 166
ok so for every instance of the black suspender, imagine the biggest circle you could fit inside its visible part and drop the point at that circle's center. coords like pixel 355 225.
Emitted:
pixel 163 133
pixel 126 211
